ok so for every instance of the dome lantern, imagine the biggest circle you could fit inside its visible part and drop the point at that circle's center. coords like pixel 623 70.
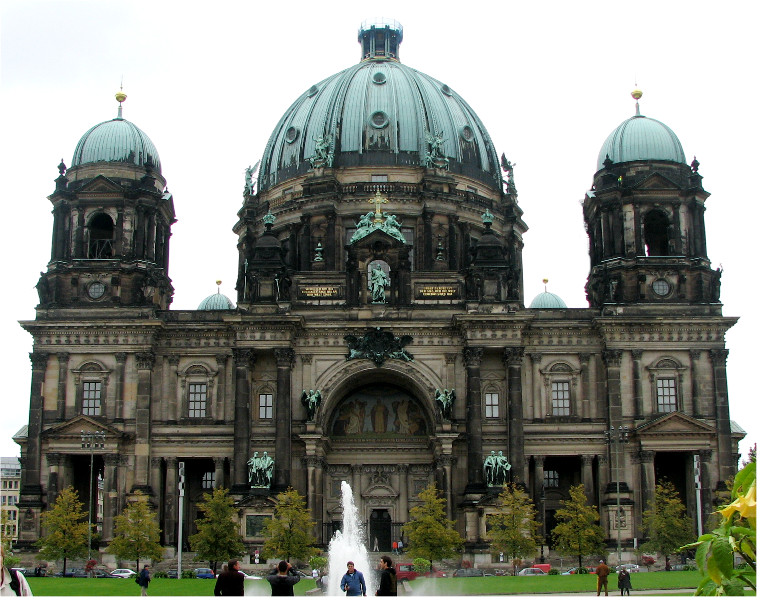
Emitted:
pixel 380 39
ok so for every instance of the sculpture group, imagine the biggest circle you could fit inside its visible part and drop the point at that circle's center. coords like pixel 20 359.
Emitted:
pixel 311 401
pixel 495 469
pixel 260 470
pixel 444 400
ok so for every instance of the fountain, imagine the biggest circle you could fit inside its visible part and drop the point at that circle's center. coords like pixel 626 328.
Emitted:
pixel 349 544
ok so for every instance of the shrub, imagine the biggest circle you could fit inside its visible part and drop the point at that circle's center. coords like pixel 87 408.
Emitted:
pixel 188 574
pixel 582 571
pixel 159 575
pixel 553 572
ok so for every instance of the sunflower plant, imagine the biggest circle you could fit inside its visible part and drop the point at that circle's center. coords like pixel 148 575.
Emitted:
pixel 735 535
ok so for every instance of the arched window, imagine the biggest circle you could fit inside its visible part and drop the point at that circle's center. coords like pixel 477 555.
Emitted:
pixel 666 378
pixel 561 382
pixel 656 233
pixel 101 231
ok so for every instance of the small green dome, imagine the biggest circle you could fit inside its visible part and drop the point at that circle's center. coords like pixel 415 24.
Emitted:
pixel 216 301
pixel 641 138
pixel 547 300
pixel 116 140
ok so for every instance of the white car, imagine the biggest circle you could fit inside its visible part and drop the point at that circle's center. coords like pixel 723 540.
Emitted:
pixel 123 573
pixel 531 571
pixel 629 567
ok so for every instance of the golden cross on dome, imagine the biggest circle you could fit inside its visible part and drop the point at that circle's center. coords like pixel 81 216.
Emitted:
pixel 377 201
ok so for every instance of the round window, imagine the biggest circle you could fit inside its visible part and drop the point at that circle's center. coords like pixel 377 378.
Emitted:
pixel 446 89
pixel 379 119
pixel 467 133
pixel 312 91
pixel 661 287
pixel 96 290
pixel 291 135
pixel 379 78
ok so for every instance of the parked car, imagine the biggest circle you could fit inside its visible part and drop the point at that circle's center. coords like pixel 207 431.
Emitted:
pixel 531 571
pixel 172 573
pixel 681 568
pixel 574 570
pixel 123 573
pixel 204 573
pixel 629 567
pixel 470 572
pixel 406 571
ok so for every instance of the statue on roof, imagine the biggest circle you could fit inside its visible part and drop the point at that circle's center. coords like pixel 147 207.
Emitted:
pixel 323 155
pixel 435 156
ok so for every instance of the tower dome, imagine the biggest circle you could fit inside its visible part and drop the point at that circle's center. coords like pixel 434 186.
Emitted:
pixel 216 301
pixel 379 113
pixel 641 138
pixel 547 300
pixel 117 140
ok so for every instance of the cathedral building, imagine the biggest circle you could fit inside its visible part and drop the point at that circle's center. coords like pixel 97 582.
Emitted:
pixel 380 334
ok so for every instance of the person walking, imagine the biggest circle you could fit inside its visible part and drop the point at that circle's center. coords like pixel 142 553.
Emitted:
pixel 394 545
pixel 12 582
pixel 387 578
pixel 353 581
pixel 283 579
pixel 401 546
pixel 231 582
pixel 143 579
pixel 602 571
pixel 624 582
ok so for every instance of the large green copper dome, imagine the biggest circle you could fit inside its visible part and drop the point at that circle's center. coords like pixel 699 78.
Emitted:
pixel 641 138
pixel 379 113
pixel 117 140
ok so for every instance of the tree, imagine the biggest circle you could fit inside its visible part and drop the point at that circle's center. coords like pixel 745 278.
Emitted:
pixel 288 533
pixel 665 522
pixel 66 527
pixel 136 533
pixel 513 529
pixel 431 535
pixel 578 533
pixel 218 538
pixel 5 547
pixel 736 534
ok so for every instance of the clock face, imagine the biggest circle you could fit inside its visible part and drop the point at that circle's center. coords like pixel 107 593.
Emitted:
pixel 661 287
pixel 96 290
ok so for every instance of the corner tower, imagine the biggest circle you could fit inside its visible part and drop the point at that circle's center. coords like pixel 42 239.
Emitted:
pixel 112 217
pixel 645 220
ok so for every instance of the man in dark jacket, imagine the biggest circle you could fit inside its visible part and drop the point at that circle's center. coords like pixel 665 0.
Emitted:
pixel 143 579
pixel 282 581
pixel 230 581
pixel 387 578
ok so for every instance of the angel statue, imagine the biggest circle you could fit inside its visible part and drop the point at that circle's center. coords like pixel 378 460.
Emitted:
pixel 311 401
pixel 445 401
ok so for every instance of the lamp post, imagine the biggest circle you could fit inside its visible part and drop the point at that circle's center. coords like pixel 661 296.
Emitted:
pixel 91 440
pixel 543 521
pixel 616 437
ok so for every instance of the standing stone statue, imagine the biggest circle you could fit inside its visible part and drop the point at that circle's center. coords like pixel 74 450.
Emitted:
pixel 311 400
pixel 377 283
pixel 445 401
pixel 496 469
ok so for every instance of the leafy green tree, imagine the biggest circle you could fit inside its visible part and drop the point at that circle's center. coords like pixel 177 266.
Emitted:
pixel 737 534
pixel 136 533
pixel 218 538
pixel 289 532
pixel 8 559
pixel 513 530
pixel 318 562
pixel 665 522
pixel 431 535
pixel 578 533
pixel 65 525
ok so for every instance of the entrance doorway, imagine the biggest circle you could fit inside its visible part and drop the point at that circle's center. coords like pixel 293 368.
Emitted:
pixel 380 530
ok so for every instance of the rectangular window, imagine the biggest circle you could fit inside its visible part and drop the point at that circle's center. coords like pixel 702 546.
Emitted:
pixel 265 406
pixel 207 483
pixel 196 400
pixel 379 178
pixel 254 525
pixel 560 398
pixel 91 398
pixel 666 395
pixel 551 479
pixel 492 406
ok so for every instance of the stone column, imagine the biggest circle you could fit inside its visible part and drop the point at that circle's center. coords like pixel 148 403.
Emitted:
pixel 403 492
pixel 31 488
pixel 221 387
pixel 638 393
pixel 647 478
pixel 170 516
pixel 726 461
pixel 587 475
pixel 145 362
pixel 244 359
pixel 612 359
pixel 219 472
pixel 538 487
pixel 474 422
pixel 283 414
pixel 55 483
pixel 514 358
pixel 173 408
pixel 696 400
pixel 705 457
pixel 63 374
pixel 585 399
pixel 118 412
pixel 331 247
pixel 155 480
pixel 110 462
pixel 604 475
pixel 539 410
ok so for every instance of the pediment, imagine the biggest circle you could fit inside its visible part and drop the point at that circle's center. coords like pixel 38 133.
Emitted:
pixel 378 236
pixel 73 428
pixel 656 182
pixel 675 423
pixel 101 184
pixel 379 491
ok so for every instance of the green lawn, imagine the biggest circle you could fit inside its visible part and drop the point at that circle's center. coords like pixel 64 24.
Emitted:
pixel 466 586
pixel 57 586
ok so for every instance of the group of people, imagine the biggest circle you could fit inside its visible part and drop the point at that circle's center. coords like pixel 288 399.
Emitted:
pixel 354 585
pixel 624 579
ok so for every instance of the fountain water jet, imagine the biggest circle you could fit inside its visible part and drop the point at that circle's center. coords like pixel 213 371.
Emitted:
pixel 349 544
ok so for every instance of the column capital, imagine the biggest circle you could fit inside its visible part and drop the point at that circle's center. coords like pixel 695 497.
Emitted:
pixel 719 356
pixel 694 354
pixel 39 360
pixel 63 357
pixel 473 356
pixel 612 358
pixel 446 460
pixel 145 360
pixel 121 357
pixel 285 357
pixel 54 459
pixel 244 357
pixel 111 460
pixel 587 460
pixel 155 461
pixel 646 456
pixel 221 359
pixel 705 455
pixel 539 459
pixel 513 357
pixel 313 461
pixel 637 354
pixel 584 357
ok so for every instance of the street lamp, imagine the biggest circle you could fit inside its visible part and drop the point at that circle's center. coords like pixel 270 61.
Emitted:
pixel 614 438
pixel 543 521
pixel 91 440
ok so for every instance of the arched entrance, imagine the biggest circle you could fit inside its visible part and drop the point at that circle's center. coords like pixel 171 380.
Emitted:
pixel 380 528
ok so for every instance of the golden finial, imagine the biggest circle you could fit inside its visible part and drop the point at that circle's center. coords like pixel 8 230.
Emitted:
pixel 637 94
pixel 120 97
pixel 218 282
pixel 545 280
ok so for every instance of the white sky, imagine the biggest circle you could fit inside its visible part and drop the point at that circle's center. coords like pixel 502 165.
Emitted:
pixel 208 82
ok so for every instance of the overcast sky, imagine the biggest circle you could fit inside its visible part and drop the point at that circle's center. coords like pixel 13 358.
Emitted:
pixel 208 82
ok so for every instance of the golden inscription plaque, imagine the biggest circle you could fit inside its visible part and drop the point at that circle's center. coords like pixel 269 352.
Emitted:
pixel 319 291
pixel 437 291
